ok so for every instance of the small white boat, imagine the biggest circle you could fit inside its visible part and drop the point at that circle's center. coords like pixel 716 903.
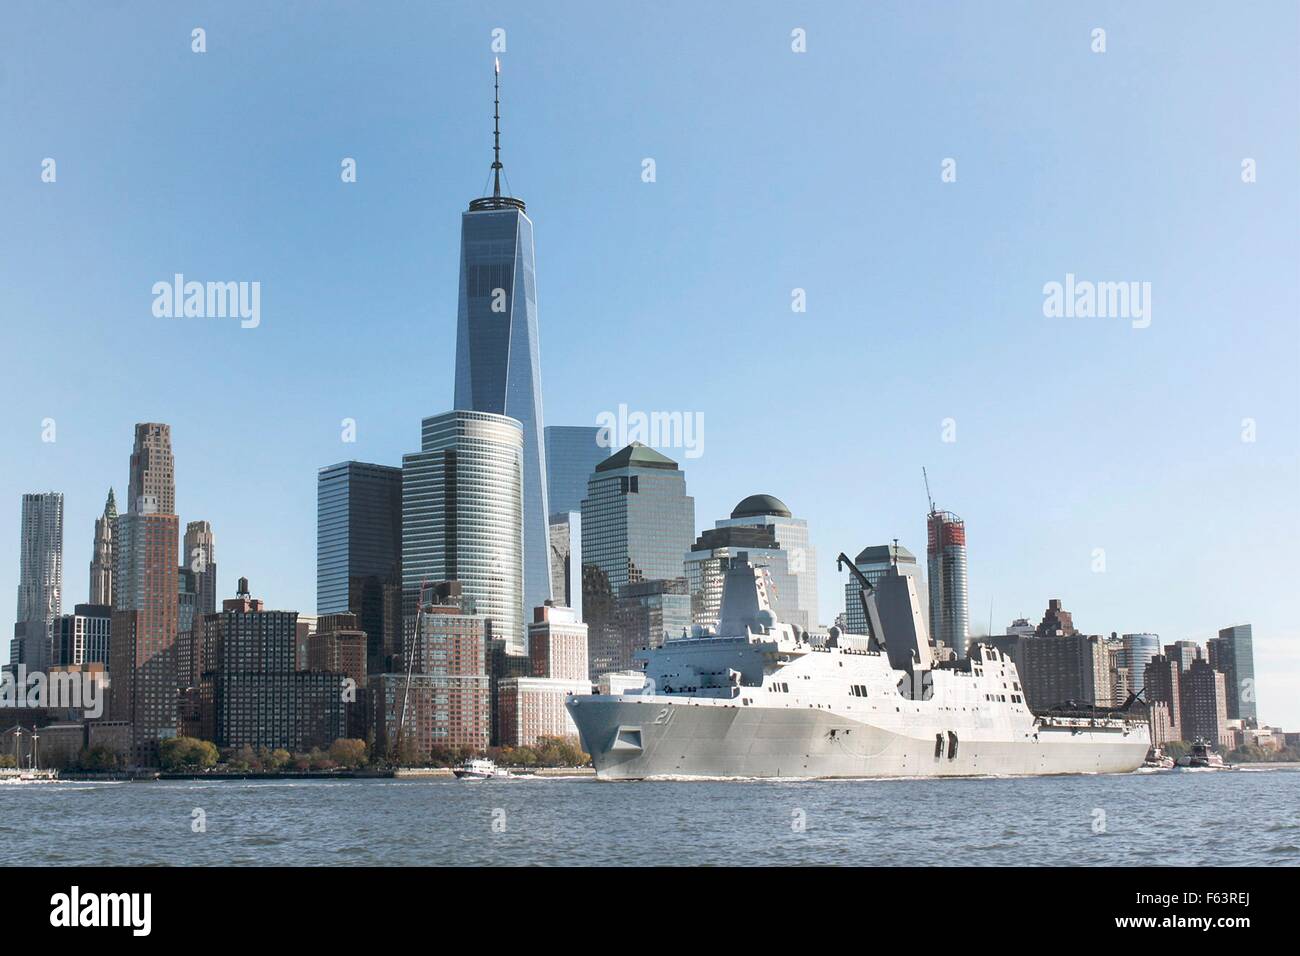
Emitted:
pixel 480 768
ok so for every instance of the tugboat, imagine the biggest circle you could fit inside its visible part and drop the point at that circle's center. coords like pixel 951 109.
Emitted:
pixel 479 768
pixel 1157 759
pixel 1202 757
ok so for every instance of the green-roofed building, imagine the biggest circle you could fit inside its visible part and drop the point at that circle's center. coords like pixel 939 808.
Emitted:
pixel 637 525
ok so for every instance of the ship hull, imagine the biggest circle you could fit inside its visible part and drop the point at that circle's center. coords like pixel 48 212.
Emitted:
pixel 631 737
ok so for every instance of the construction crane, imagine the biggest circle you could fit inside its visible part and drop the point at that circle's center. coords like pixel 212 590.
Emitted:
pixel 929 497
pixel 408 652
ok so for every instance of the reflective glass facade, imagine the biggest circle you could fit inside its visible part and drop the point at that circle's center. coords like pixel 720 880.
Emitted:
pixel 359 548
pixel 572 454
pixel 498 369
pixel 462 517
pixel 1232 653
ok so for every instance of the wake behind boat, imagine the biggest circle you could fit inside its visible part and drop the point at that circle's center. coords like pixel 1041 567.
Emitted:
pixel 761 698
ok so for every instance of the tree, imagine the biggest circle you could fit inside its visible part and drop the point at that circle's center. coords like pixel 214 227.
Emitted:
pixel 348 752
pixel 187 753
pixel 99 758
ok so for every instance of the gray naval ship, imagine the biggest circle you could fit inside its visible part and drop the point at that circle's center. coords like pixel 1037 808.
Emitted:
pixel 759 698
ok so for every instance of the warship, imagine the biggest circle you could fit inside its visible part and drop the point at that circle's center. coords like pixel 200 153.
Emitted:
pixel 755 697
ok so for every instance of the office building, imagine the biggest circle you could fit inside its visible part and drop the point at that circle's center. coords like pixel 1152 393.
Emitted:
pixel 566 559
pixel 572 454
pixel 461 513
pixel 359 552
pixel 874 562
pixel 84 636
pixel 101 562
pixel 792 576
pixel 1232 653
pixel 637 521
pixel 1184 652
pixel 201 558
pixel 498 367
pixel 1139 649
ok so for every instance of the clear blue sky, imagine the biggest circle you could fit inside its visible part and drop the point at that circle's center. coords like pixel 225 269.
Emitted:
pixel 775 170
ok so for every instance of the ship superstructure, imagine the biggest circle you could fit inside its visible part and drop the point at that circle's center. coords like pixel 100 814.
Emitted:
pixel 756 697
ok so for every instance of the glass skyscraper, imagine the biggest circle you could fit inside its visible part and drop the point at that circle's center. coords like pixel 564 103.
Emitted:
pixel 461 518
pixel 498 369
pixel 572 454
pixel 874 563
pixel 637 525
pixel 1137 654
pixel 1233 654
pixel 359 550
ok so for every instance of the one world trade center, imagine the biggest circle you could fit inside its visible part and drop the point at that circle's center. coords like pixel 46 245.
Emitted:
pixel 498 368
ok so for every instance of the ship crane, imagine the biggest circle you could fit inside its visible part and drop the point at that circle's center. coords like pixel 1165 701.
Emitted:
pixel 865 588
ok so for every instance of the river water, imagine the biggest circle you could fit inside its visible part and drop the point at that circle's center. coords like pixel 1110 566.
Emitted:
pixel 1243 817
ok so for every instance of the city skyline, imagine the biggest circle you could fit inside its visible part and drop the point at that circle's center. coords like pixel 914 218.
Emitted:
pixel 1180 453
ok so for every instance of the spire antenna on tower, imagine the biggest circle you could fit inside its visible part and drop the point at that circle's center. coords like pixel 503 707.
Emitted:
pixel 496 130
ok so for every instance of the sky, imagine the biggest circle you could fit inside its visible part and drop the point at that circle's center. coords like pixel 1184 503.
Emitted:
pixel 1170 452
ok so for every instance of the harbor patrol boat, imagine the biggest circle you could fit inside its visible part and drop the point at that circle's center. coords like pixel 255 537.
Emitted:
pixel 760 698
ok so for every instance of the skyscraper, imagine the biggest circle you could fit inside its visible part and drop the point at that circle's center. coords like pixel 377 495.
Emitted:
pixel 142 651
pixel 201 559
pixel 566 559
pixel 153 471
pixel 637 525
pixel 1232 653
pixel 498 369
pixel 101 562
pixel 1205 708
pixel 794 593
pixel 572 454
pixel 359 551
pixel 40 581
pixel 946 558
pixel 1139 649
pixel 637 519
pixel 461 518
pixel 874 562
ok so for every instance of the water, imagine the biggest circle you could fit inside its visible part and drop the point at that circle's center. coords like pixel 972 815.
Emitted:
pixel 1245 817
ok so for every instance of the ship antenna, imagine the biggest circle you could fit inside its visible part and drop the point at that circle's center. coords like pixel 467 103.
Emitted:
pixel 496 130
